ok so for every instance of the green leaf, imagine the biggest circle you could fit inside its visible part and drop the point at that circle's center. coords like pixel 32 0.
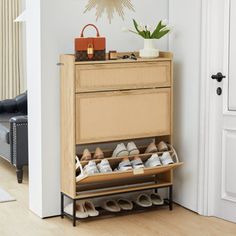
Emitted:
pixel 160 34
pixel 145 33
pixel 157 30
pixel 141 33
pixel 136 25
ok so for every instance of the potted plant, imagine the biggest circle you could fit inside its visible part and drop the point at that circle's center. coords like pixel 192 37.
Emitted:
pixel 149 50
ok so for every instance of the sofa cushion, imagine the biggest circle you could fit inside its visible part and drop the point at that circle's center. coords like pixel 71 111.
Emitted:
pixel 5 117
pixel 9 106
pixel 4 132
pixel 15 105
pixel 21 101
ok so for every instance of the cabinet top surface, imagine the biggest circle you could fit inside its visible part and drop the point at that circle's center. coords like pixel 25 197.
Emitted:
pixel 164 56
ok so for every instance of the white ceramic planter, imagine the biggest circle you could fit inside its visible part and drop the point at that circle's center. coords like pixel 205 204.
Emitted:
pixel 149 50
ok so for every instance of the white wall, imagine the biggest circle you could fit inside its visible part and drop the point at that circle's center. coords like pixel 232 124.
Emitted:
pixel 34 106
pixel 185 43
pixel 51 29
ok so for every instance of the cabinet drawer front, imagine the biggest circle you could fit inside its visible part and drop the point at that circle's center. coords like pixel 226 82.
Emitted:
pixel 121 115
pixel 101 77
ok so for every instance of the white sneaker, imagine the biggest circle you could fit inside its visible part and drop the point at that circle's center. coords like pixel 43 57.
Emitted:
pixel 104 166
pixel 166 159
pixel 120 151
pixel 132 149
pixel 153 161
pixel 137 163
pixel 91 168
pixel 125 165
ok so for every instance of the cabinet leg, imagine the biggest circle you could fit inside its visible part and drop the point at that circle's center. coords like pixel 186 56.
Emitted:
pixel 74 212
pixel 62 205
pixel 156 181
pixel 171 198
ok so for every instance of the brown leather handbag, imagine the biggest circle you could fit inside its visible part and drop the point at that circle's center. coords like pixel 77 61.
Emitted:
pixel 90 49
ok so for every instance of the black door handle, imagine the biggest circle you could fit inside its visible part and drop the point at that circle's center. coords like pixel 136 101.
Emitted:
pixel 218 77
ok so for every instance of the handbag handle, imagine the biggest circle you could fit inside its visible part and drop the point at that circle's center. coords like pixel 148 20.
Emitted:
pixel 82 32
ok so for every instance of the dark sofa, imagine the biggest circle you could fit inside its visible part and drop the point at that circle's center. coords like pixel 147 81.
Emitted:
pixel 14 132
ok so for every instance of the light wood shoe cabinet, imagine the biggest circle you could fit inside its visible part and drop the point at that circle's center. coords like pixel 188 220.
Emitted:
pixel 109 101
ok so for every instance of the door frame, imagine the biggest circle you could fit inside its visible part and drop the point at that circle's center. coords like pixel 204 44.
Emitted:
pixel 204 116
pixel 207 119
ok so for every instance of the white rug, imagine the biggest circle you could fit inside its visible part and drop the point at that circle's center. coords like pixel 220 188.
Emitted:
pixel 5 196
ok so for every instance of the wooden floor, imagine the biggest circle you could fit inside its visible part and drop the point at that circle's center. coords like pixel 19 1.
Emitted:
pixel 17 220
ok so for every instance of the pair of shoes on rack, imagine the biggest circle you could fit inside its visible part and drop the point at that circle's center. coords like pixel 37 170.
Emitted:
pixel 145 200
pixel 87 156
pixel 126 164
pixel 117 205
pixel 92 168
pixel 161 147
pixel 84 209
pixel 155 160
pixel 122 150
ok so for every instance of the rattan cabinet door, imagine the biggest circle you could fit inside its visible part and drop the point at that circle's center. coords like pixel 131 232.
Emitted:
pixel 110 116
pixel 106 77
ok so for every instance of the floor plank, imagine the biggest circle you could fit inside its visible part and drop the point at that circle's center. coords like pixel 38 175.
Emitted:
pixel 17 220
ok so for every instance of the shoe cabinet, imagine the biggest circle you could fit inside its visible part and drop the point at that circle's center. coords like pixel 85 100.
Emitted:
pixel 110 101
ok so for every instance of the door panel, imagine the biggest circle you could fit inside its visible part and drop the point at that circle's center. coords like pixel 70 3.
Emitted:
pixel 228 165
pixel 232 58
pixel 222 117
pixel 122 115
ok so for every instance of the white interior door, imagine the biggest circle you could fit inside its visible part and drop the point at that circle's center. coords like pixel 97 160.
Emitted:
pixel 223 110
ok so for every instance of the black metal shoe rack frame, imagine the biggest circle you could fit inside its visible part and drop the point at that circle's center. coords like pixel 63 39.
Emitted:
pixel 103 213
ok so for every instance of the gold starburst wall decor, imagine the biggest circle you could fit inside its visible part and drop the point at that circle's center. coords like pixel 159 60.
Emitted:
pixel 110 7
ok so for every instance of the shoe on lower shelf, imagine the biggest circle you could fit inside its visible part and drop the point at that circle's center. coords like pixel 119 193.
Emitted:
pixel 143 200
pixel 120 151
pixel 137 163
pixel 153 161
pixel 125 204
pixel 104 166
pixel 90 208
pixel 80 210
pixel 162 147
pixel 156 199
pixel 151 148
pixel 166 159
pixel 132 149
pixel 111 206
